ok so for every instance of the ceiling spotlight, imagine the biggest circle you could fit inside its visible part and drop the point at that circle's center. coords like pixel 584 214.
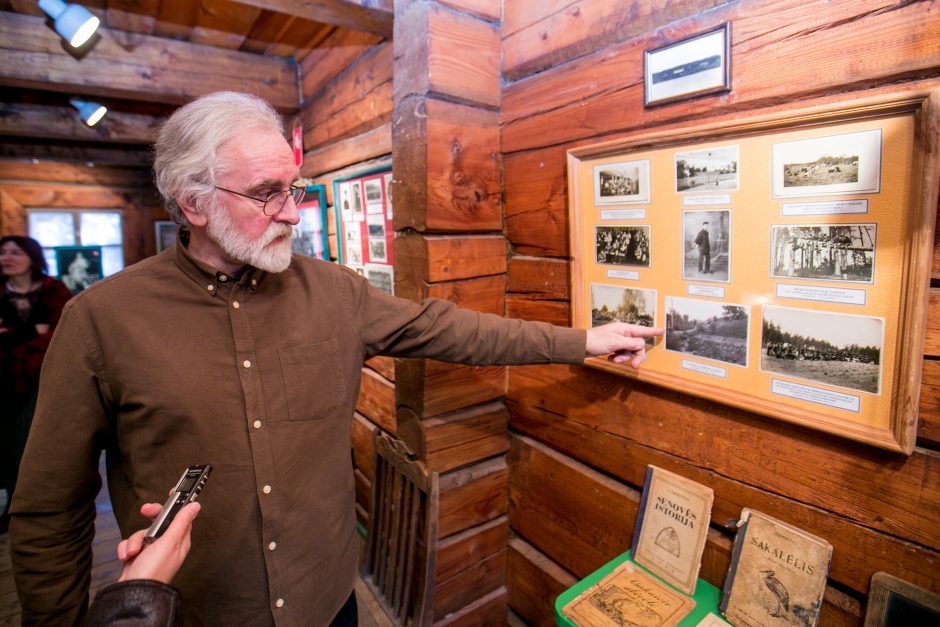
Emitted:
pixel 91 112
pixel 73 22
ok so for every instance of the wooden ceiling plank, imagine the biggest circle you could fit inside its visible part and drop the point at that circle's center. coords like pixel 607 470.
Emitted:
pixel 29 7
pixel 266 29
pixel 353 14
pixel 176 19
pixel 224 24
pixel 332 56
pixel 135 16
pixel 298 34
pixel 137 67
pixel 64 172
pixel 56 122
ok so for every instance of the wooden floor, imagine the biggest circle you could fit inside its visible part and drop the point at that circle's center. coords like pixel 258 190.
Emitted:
pixel 106 568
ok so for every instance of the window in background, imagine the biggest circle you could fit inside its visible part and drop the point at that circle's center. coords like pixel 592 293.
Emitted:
pixel 53 229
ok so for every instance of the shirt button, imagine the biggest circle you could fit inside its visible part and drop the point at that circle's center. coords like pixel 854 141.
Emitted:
pixel 272 546
pixel 235 304
pixel 210 287
pixel 279 603
pixel 256 424
pixel 266 489
pixel 222 277
pixel 247 363
pixel 254 281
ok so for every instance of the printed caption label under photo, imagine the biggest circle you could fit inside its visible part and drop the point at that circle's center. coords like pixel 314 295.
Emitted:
pixel 799 391
pixel 712 371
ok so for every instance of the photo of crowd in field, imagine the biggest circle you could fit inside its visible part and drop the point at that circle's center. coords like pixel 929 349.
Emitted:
pixel 830 252
pixel 841 350
pixel 707 329
pixel 836 164
pixel 612 303
pixel 622 183
pixel 708 170
pixel 623 245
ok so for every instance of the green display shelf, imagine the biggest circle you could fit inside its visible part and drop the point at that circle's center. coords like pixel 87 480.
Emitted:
pixel 706 595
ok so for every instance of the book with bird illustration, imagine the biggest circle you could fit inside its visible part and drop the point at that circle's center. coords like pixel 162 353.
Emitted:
pixel 629 596
pixel 671 527
pixel 777 576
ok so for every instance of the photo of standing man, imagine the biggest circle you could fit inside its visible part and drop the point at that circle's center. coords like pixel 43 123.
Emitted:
pixel 704 250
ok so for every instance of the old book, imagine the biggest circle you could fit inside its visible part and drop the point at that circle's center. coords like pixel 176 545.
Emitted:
pixel 777 575
pixel 671 527
pixel 629 596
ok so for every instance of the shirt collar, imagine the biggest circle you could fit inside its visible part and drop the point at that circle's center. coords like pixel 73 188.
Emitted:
pixel 207 277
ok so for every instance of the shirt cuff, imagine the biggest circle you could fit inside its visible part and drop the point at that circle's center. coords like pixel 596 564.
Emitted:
pixel 570 345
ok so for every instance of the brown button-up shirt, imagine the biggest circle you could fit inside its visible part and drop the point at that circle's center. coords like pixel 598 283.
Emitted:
pixel 170 363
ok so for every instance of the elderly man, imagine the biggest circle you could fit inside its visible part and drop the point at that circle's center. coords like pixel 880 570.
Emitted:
pixel 226 349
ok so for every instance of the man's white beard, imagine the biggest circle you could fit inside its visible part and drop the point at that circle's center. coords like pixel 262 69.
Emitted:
pixel 259 253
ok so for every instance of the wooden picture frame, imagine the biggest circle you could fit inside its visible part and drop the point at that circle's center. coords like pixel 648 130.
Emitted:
pixel 311 235
pixel 738 332
pixel 695 66
pixel 893 602
pixel 164 232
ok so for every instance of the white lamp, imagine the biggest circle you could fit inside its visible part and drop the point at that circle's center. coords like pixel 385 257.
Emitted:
pixel 91 112
pixel 73 22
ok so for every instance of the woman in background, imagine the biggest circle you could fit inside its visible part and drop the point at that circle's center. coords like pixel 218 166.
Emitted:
pixel 30 305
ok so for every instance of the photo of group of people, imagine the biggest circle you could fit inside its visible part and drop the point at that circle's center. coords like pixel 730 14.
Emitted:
pixel 843 350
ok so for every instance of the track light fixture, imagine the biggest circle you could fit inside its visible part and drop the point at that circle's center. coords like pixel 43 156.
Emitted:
pixel 90 112
pixel 73 22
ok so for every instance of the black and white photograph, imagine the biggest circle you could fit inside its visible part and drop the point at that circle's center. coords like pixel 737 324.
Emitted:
pixel 353 243
pixel 708 170
pixel 381 277
pixel 165 233
pixel 612 303
pixel 708 329
pixel 623 245
pixel 820 166
pixel 345 203
pixel 79 266
pixel 842 350
pixel 823 252
pixel 624 183
pixel 307 237
pixel 706 245
pixel 373 192
pixel 375 226
pixel 355 200
pixel 695 66
pixel 377 251
pixel 388 195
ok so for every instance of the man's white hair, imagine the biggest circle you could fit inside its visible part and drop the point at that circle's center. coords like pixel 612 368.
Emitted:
pixel 185 166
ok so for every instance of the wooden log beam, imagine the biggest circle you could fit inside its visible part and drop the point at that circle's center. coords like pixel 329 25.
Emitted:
pixel 446 163
pixel 79 196
pixel 435 258
pixel 537 202
pixel 377 400
pixel 455 552
pixel 363 444
pixel 552 312
pixel 361 15
pixel 137 67
pixel 353 150
pixel 337 52
pixel 489 609
pixel 483 577
pixel 430 388
pixel 538 278
pixel 64 172
pixel 534 582
pixel 51 122
pixel 458 438
pixel 472 496
pixel 12 216
pixel 432 55
pixel 76 154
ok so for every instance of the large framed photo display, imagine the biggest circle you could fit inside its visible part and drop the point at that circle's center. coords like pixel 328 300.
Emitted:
pixel 787 257
pixel 363 210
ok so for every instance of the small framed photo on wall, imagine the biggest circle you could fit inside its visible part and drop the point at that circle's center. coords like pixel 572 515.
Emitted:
pixel 693 67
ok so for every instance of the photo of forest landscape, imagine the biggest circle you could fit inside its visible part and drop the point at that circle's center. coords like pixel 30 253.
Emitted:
pixel 835 349
pixel 610 303
pixel 708 329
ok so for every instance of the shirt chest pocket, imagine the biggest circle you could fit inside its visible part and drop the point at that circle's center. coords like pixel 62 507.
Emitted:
pixel 312 386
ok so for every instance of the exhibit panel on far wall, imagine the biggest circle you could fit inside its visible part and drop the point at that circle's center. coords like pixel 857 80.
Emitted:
pixel 787 258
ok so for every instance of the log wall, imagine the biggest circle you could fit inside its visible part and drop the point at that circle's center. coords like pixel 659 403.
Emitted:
pixel 70 184
pixel 580 439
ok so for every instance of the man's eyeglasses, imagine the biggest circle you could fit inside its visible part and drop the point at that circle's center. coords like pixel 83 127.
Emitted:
pixel 275 201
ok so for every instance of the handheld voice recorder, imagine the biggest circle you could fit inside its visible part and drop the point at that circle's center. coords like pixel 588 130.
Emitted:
pixel 187 489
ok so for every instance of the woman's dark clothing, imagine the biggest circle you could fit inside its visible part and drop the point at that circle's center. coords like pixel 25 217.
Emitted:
pixel 22 350
pixel 136 603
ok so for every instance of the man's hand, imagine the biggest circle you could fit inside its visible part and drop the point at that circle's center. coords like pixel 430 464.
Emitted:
pixel 623 342
pixel 161 559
